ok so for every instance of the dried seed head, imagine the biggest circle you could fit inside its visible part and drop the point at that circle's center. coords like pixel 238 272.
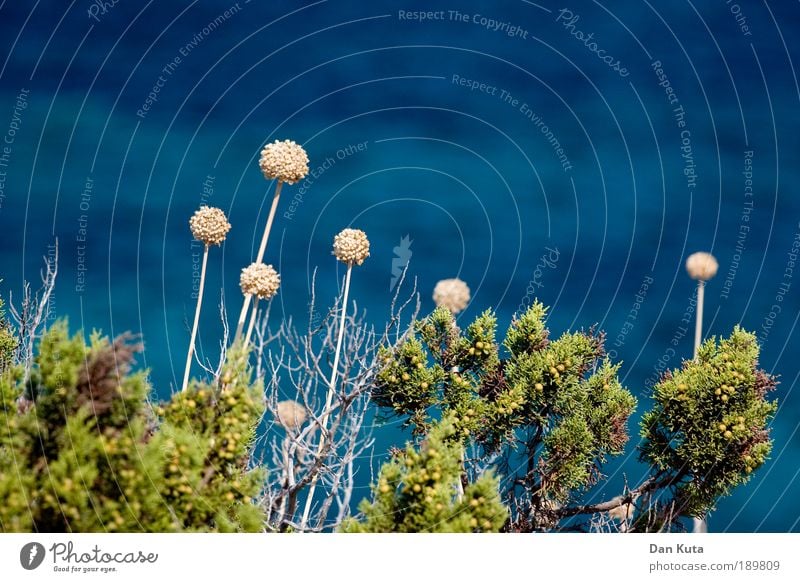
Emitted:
pixel 622 512
pixel 452 294
pixel 351 246
pixel 285 160
pixel 260 280
pixel 209 225
pixel 291 414
pixel 701 266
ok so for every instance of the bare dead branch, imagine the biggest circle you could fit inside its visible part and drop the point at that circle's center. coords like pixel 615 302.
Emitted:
pixel 295 365
pixel 34 310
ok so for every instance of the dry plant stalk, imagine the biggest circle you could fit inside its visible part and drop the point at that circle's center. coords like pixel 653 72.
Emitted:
pixel 351 247
pixel 284 161
pixel 210 227
pixel 33 313
pixel 701 267
pixel 295 365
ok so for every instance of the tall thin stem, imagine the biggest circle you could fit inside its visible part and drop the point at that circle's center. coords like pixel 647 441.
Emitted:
pixel 329 396
pixel 260 257
pixel 698 325
pixel 196 321
pixel 251 324
pixel 699 525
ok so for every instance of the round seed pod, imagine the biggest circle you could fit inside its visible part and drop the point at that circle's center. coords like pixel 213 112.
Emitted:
pixel 260 280
pixel 285 160
pixel 701 266
pixel 452 294
pixel 209 225
pixel 351 246
pixel 291 414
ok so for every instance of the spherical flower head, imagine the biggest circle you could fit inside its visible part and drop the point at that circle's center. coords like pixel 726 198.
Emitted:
pixel 260 280
pixel 209 225
pixel 701 266
pixel 351 246
pixel 285 160
pixel 291 414
pixel 452 294
pixel 622 512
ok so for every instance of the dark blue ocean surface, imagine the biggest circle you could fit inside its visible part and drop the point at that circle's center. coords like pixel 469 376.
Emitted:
pixel 574 152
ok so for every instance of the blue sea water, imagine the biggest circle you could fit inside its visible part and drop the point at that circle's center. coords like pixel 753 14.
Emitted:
pixel 576 152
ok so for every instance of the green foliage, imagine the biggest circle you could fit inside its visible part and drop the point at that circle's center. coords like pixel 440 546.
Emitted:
pixel 8 343
pixel 561 399
pixel 570 390
pixel 81 450
pixel 221 422
pixel 709 426
pixel 417 492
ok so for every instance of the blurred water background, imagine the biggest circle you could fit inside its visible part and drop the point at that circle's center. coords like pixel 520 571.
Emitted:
pixel 512 149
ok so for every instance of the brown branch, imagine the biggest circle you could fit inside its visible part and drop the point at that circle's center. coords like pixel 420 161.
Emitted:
pixel 651 484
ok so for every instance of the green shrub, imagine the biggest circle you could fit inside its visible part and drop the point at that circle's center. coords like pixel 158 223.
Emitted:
pixel 558 405
pixel 8 342
pixel 709 428
pixel 81 449
pixel 417 492
pixel 546 414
